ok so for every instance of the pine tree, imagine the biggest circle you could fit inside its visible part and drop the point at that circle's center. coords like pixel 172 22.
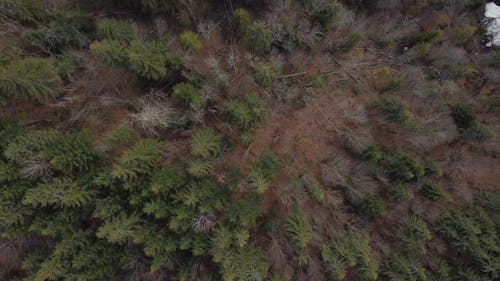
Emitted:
pixel 60 193
pixel 259 37
pixel 148 59
pixel 120 228
pixel 30 78
pixel 111 52
pixel 141 159
pixel 115 30
pixel 206 143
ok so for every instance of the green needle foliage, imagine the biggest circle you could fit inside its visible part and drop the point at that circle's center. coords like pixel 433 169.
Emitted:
pixel 247 112
pixel 240 22
pixel 111 52
pixel 299 230
pixel 206 143
pixel 373 206
pixel 141 159
pixel 435 192
pixel 191 41
pixel 469 127
pixel 119 229
pixel 64 193
pixel 399 167
pixel 188 94
pixel 26 10
pixel 321 12
pixel 148 59
pixel 265 73
pixel 259 37
pixel 30 78
pixel 396 111
pixel 115 30
pixel 352 251
pixel 472 233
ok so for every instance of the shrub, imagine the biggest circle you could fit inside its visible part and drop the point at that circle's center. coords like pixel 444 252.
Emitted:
pixel 187 94
pixel 246 113
pixel 463 34
pixel 191 41
pixel 115 30
pixel 206 143
pixel 399 166
pixel 373 206
pixel 396 111
pixel 30 78
pixel 259 37
pixel 241 22
pixel 400 191
pixel 265 73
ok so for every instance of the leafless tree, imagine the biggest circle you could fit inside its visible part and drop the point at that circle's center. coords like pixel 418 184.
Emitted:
pixel 35 168
pixel 153 116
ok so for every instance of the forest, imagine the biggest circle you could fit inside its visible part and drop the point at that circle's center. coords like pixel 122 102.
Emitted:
pixel 249 140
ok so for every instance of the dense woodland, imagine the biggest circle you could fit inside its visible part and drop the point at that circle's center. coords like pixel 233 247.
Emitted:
pixel 248 140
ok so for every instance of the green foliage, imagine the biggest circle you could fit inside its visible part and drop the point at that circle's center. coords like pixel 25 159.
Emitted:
pixel 115 30
pixel 63 192
pixel 400 191
pixel 122 136
pixel 79 257
pixel 206 143
pixel 119 229
pixel 141 159
pixel 245 211
pixel 469 127
pixel 240 22
pixel 26 10
pixel 299 230
pixel 396 111
pixel 432 169
pixel 351 42
pixel 191 41
pixel 112 53
pixel 66 31
pixel 264 171
pixel 150 60
pixel 315 188
pixel 259 37
pixel 30 78
pixel 168 178
pixel 200 167
pixel 246 113
pixel 187 94
pixel 399 167
pixel 321 12
pixel 461 35
pixel 373 206
pixel 471 232
pixel 68 153
pixel 265 73
pixel 351 251
pixel 246 264
pixel 435 192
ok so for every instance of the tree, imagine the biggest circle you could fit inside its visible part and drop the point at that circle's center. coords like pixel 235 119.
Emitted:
pixel 111 52
pixel 396 111
pixel 206 143
pixel 246 112
pixel 148 59
pixel 265 73
pixel 120 228
pixel 30 78
pixel 240 22
pixel 115 30
pixel 64 193
pixel 188 94
pixel 259 37
pixel 191 41
pixel 141 159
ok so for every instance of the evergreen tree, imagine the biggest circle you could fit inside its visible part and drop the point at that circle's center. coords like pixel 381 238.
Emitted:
pixel 30 78
pixel 206 143
pixel 141 159
pixel 61 193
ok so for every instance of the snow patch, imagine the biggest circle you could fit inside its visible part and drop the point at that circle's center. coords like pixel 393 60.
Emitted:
pixel 492 14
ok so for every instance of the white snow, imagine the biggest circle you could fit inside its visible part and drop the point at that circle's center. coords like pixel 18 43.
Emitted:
pixel 492 14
